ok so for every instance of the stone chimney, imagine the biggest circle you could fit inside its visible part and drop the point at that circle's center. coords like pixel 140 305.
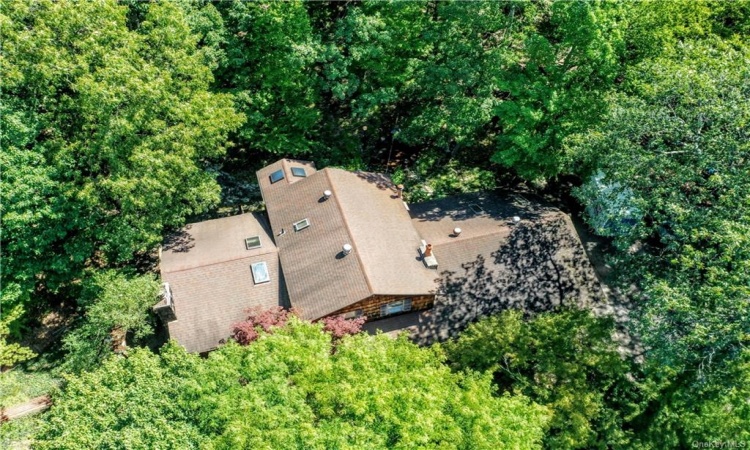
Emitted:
pixel 428 258
pixel 400 188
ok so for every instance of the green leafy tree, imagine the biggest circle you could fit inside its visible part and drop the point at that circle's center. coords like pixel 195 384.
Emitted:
pixel 115 306
pixel 11 353
pixel 511 80
pixel 290 390
pixel 555 87
pixel 125 403
pixel 566 361
pixel 654 28
pixel 373 392
pixel 677 141
pixel 371 53
pixel 270 51
pixel 107 134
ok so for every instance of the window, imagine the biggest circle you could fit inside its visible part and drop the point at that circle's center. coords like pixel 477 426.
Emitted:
pixel 353 314
pixel 252 242
pixel 396 307
pixel 277 176
pixel 298 172
pixel 301 225
pixel 260 272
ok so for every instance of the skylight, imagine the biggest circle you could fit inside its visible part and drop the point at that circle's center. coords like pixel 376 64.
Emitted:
pixel 277 176
pixel 298 172
pixel 260 272
pixel 252 242
pixel 301 225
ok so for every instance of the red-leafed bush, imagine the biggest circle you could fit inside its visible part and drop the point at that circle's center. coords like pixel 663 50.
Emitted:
pixel 339 327
pixel 247 331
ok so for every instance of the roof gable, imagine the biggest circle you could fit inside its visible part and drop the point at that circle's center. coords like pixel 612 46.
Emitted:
pixel 320 278
pixel 362 210
pixel 382 233
pixel 215 241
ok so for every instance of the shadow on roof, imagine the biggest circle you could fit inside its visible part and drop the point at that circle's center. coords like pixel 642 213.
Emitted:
pixel 541 267
pixel 381 181
pixel 498 205
pixel 180 241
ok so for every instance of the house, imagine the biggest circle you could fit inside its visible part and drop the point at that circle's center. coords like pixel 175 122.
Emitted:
pixel 336 242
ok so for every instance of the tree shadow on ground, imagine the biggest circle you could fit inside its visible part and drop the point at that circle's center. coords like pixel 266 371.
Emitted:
pixel 540 267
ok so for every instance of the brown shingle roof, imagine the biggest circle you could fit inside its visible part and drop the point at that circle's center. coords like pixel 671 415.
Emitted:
pixel 383 234
pixel 529 263
pixel 208 269
pixel 363 212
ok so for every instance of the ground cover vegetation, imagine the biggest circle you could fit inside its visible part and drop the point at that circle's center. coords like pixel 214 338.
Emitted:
pixel 120 120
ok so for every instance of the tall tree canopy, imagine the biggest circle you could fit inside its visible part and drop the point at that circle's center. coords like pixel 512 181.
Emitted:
pixel 107 136
pixel 566 361
pixel 678 143
pixel 291 389
pixel 270 52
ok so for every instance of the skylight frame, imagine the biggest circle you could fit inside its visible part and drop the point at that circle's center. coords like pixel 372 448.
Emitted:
pixel 299 172
pixel 250 245
pixel 301 225
pixel 277 176
pixel 260 272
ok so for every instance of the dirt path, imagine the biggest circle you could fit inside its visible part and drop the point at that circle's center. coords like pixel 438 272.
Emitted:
pixel 33 406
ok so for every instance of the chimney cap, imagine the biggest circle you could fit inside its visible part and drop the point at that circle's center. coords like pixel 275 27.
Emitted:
pixel 327 193
pixel 457 231
pixel 347 248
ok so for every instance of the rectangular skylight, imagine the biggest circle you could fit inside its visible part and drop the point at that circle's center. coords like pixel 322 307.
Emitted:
pixel 277 176
pixel 301 225
pixel 298 172
pixel 260 272
pixel 252 242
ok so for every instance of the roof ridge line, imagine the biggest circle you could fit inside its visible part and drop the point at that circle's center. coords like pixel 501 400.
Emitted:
pixel 220 262
pixel 349 232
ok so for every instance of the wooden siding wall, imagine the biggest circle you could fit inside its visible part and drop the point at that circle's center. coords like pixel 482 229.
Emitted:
pixel 371 306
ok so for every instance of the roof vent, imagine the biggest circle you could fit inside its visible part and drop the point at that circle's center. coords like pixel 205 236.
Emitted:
pixel 327 194
pixel 516 219
pixel 166 294
pixel 347 249
pixel 457 232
